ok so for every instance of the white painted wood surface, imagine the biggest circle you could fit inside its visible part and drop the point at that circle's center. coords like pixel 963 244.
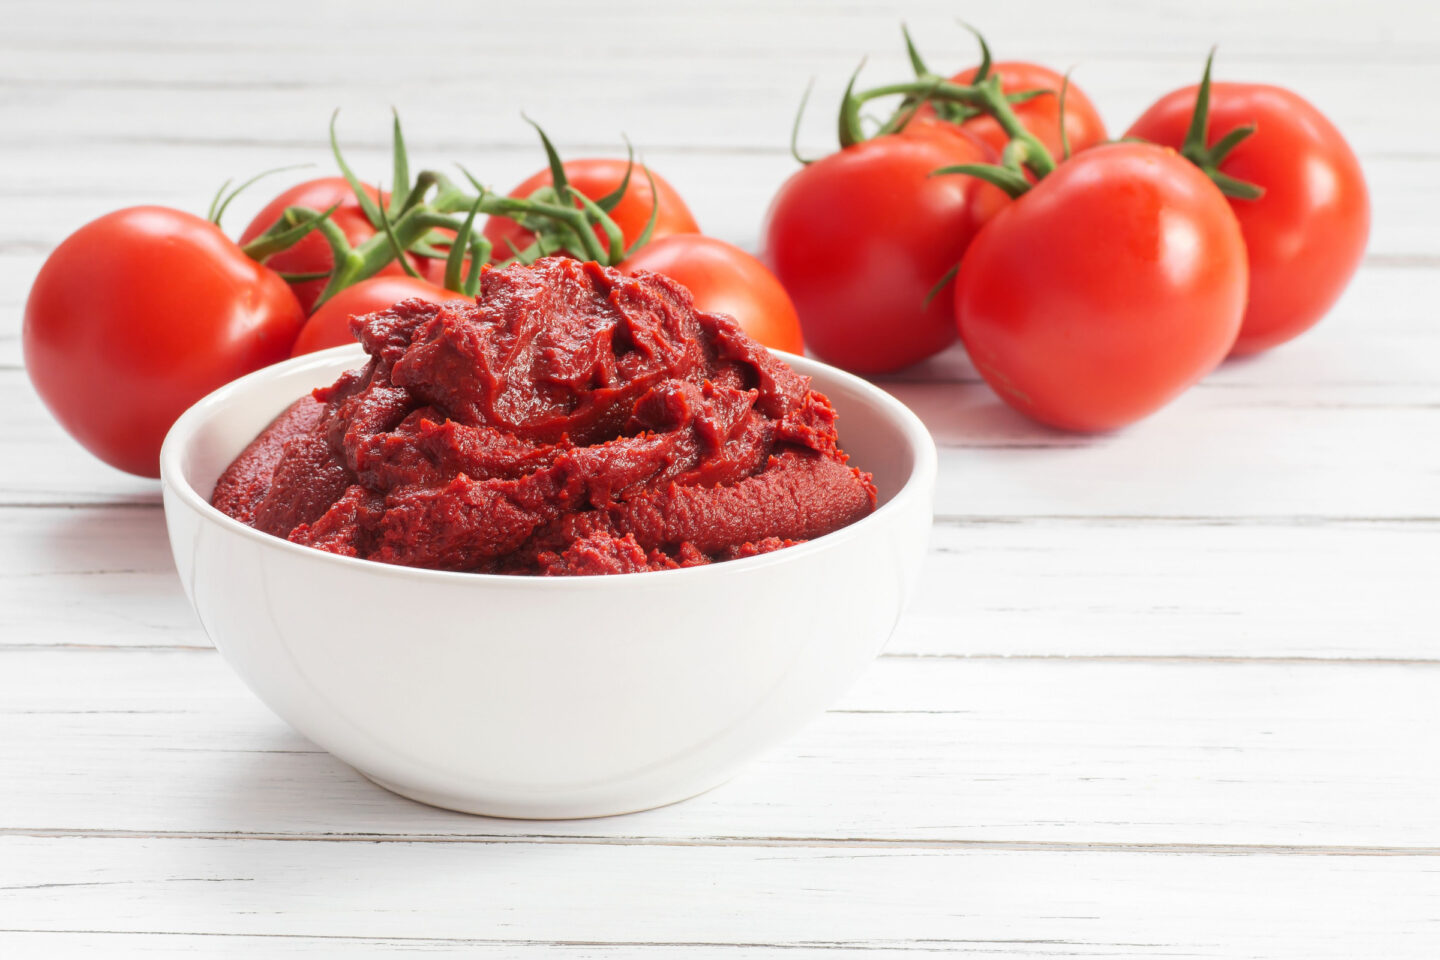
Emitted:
pixel 1173 692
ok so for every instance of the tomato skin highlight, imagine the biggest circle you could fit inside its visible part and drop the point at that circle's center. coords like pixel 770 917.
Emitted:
pixel 1040 115
pixel 329 326
pixel 1308 232
pixel 725 279
pixel 139 314
pixel 312 254
pixel 1101 294
pixel 595 177
pixel 861 237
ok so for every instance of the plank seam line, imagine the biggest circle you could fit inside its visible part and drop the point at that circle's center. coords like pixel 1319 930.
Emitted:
pixel 81 505
pixel 428 142
pixel 769 842
pixel 1219 520
pixel 1157 659
pixel 1174 658
pixel 923 945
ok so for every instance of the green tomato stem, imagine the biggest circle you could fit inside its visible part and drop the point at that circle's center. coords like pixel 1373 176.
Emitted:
pixel 1208 158
pixel 293 225
pixel 986 95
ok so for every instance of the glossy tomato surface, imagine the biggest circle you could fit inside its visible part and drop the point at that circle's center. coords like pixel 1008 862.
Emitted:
pixel 329 326
pixel 1102 293
pixel 860 238
pixel 312 254
pixel 139 314
pixel 1307 234
pixel 725 279
pixel 1041 115
pixel 596 177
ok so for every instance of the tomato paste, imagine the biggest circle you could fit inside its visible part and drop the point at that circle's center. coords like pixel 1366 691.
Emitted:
pixel 573 421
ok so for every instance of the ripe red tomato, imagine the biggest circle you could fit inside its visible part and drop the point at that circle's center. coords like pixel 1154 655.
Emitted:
pixel 725 279
pixel 1111 286
pixel 139 314
pixel 1306 235
pixel 596 177
pixel 1040 115
pixel 312 254
pixel 329 326
pixel 860 238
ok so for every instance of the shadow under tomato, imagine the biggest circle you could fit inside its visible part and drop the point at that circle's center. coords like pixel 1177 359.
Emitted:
pixel 970 415
pixel 961 411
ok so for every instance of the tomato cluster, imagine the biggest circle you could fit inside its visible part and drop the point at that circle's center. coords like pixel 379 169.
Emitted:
pixel 1090 280
pixel 1113 276
pixel 172 308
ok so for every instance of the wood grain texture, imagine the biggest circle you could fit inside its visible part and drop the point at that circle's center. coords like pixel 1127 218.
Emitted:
pixel 98 576
pixel 1064 753
pixel 931 901
pixel 1171 692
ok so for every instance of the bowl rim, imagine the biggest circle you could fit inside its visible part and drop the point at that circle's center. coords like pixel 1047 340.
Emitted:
pixel 182 432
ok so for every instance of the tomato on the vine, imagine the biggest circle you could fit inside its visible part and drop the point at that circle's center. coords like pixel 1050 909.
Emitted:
pixel 597 177
pixel 861 239
pixel 1040 115
pixel 1109 287
pixel 329 326
pixel 1307 232
pixel 724 279
pixel 139 314
pixel 312 254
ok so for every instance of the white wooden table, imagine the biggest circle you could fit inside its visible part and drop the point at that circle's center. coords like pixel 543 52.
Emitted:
pixel 1169 693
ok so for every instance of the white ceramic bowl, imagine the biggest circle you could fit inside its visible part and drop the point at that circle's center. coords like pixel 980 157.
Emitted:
pixel 537 697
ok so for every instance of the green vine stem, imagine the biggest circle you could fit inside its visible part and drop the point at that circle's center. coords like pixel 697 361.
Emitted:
pixel 222 200
pixel 649 230
pixel 615 252
pixel 294 224
pixel 400 167
pixel 424 217
pixel 1208 158
pixel 985 95
pixel 950 111
pixel 416 226
pixel 456 260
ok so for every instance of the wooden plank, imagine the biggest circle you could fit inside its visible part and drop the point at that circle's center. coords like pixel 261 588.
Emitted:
pixel 96 576
pixel 43 465
pixel 968 902
pixel 664 35
pixel 212 97
pixel 1161 589
pixel 1277 31
pixel 91 576
pixel 44 946
pixel 1211 755
pixel 1267 452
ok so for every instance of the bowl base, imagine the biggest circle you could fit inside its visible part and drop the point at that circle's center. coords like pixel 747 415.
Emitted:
pixel 506 810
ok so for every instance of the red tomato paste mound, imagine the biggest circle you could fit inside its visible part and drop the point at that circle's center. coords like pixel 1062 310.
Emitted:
pixel 574 421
